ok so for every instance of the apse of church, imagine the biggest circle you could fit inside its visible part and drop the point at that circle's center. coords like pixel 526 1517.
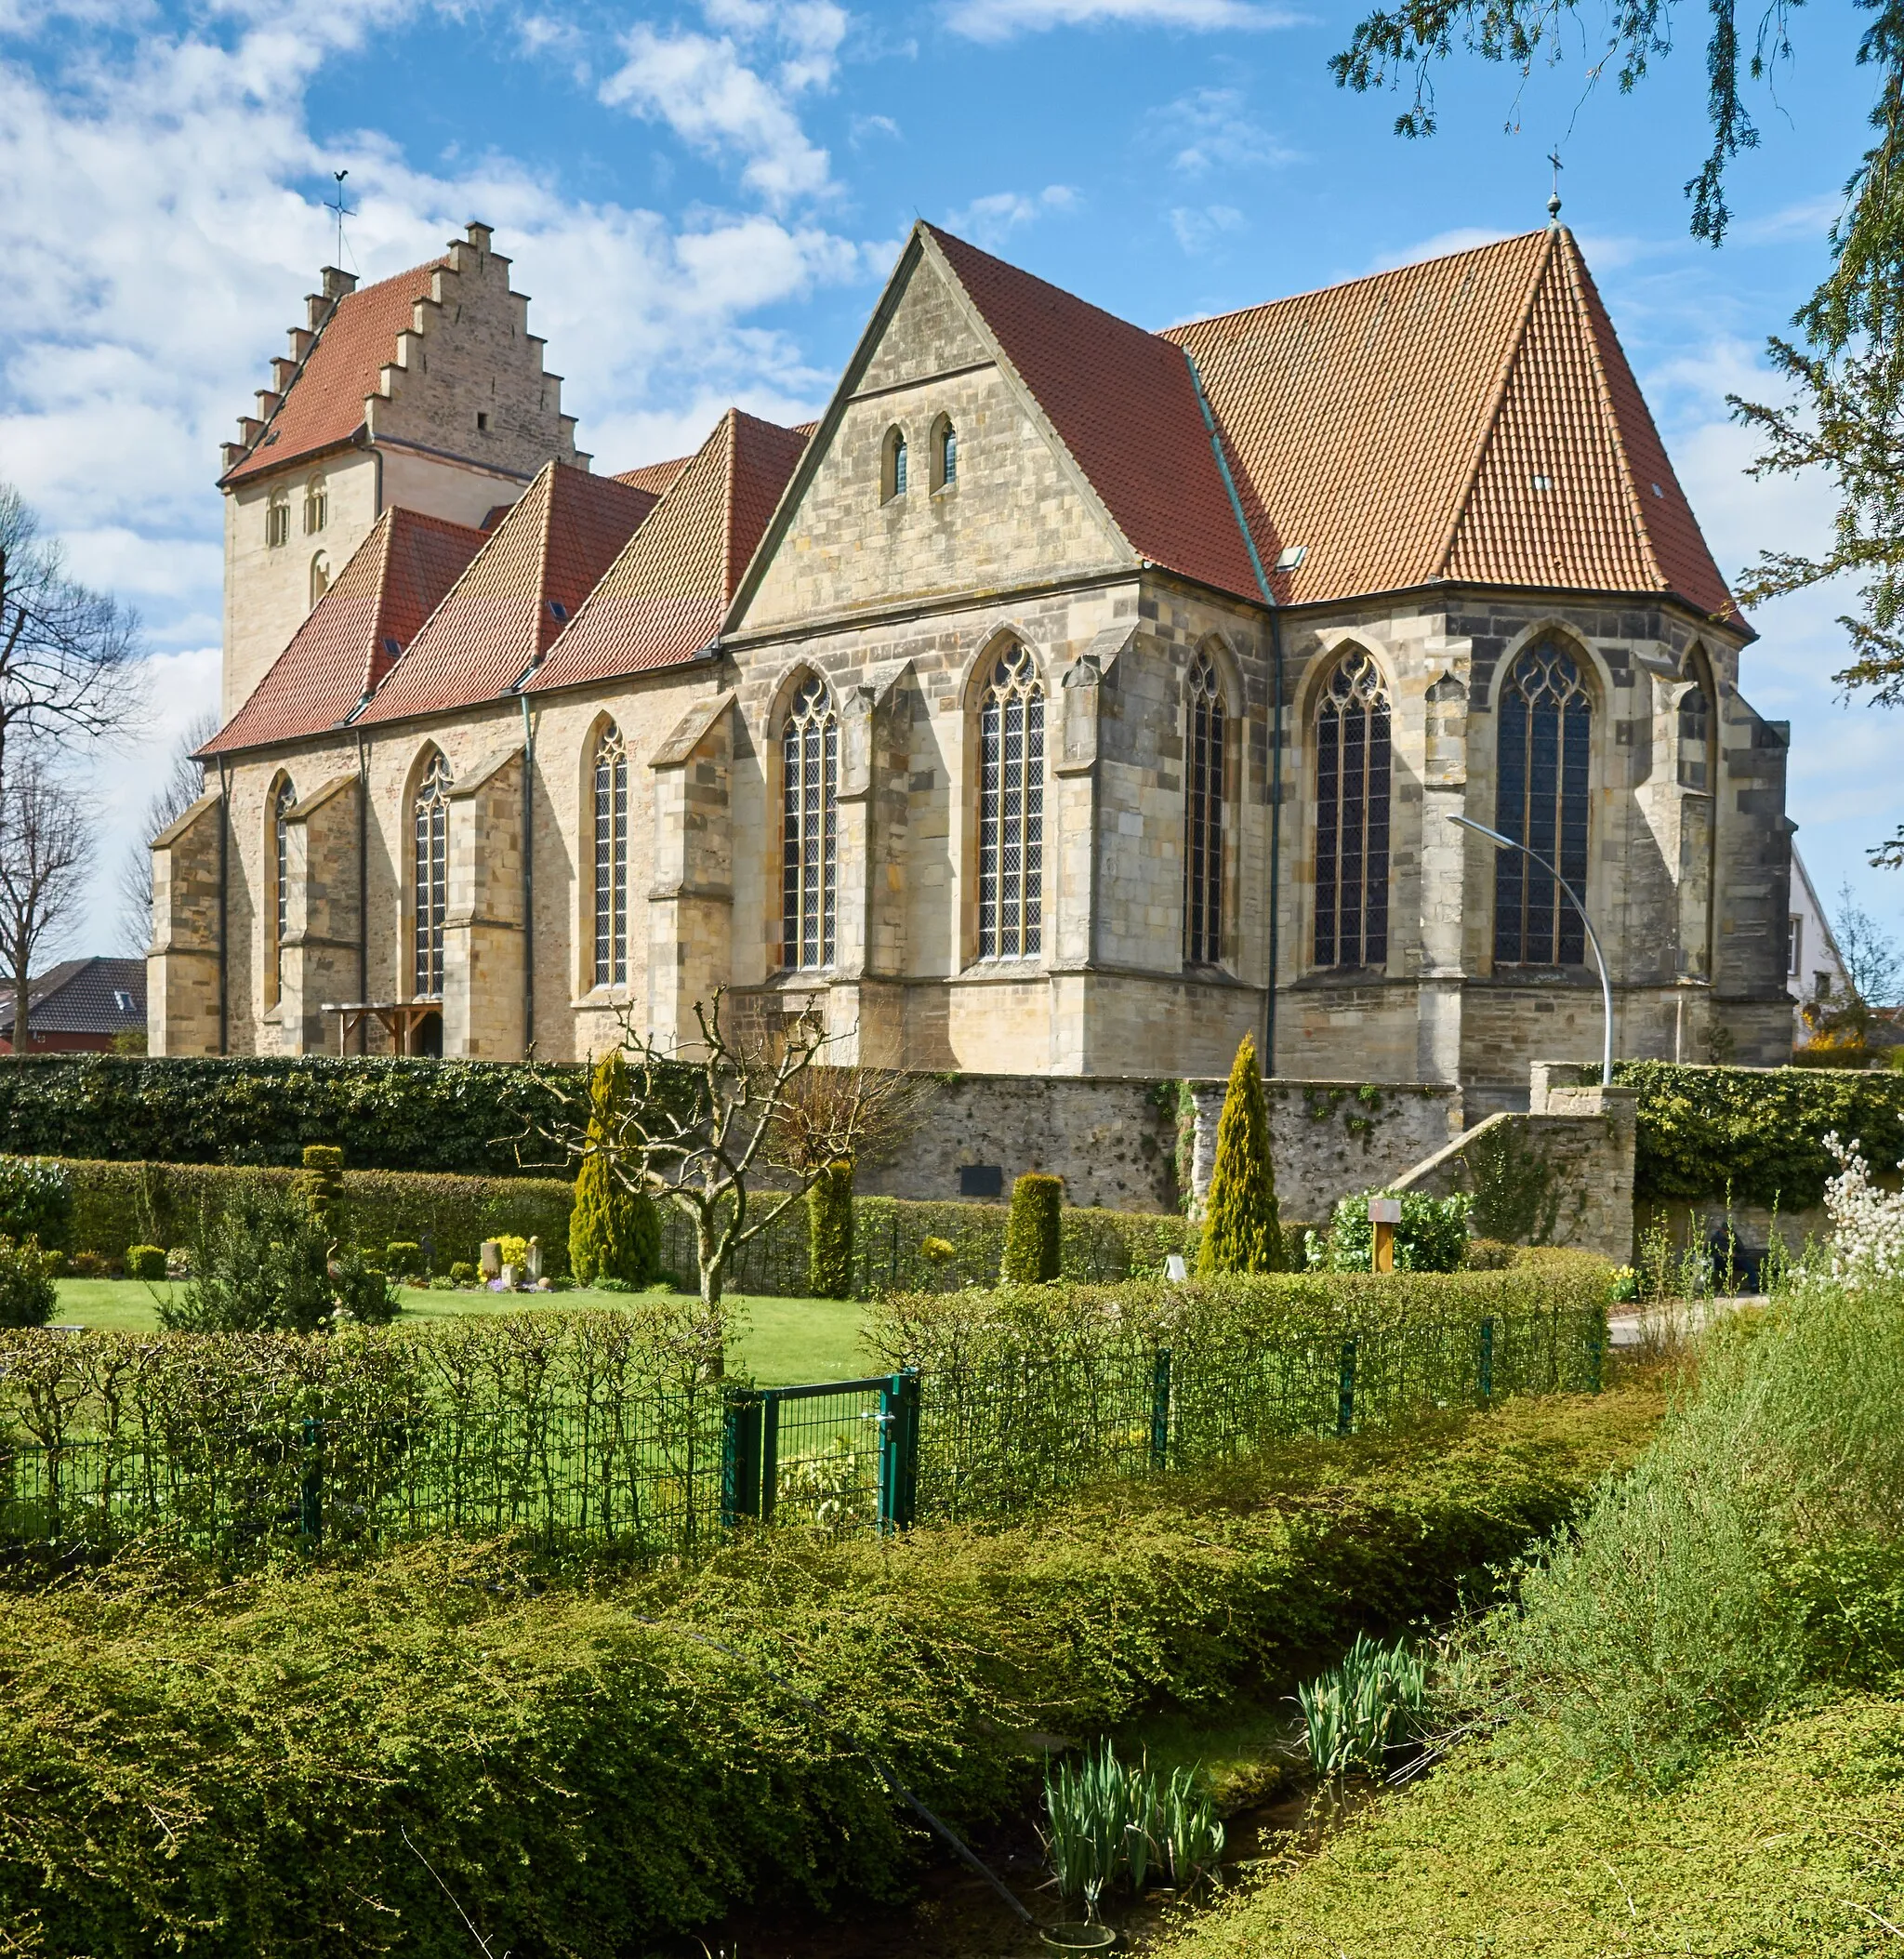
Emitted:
pixel 1026 712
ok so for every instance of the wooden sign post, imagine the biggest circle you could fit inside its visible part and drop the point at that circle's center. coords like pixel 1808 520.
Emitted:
pixel 1385 1213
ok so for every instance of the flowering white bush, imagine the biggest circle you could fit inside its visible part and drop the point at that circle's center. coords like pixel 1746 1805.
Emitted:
pixel 1866 1223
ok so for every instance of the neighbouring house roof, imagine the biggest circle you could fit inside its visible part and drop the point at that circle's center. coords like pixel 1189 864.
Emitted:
pixel 355 633
pixel 82 996
pixel 518 593
pixel 1401 428
pixel 663 600
pixel 1123 403
pixel 323 405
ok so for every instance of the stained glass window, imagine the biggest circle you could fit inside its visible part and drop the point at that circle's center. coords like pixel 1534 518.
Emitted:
pixel 430 875
pixel 1011 810
pixel 1203 816
pixel 809 828
pixel 282 803
pixel 1352 788
pixel 1546 723
pixel 611 861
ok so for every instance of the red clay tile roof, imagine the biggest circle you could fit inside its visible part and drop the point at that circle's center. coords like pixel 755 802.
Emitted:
pixel 659 477
pixel 527 581
pixel 1397 427
pixel 1122 403
pixel 664 599
pixel 394 580
pixel 324 405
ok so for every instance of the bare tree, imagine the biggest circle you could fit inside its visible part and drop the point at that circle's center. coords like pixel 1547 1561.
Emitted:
pixel 184 784
pixel 46 852
pixel 705 1124
pixel 69 656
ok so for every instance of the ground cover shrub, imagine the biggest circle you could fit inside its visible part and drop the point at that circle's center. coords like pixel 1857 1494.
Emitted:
pixel 28 1283
pixel 227 1765
pixel 35 1200
pixel 1034 1233
pixel 1432 1237
pixel 1241 1230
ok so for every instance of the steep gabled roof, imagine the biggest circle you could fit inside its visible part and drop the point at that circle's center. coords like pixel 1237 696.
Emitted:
pixel 659 477
pixel 1472 418
pixel 663 600
pixel 354 634
pixel 82 996
pixel 323 405
pixel 521 587
pixel 1122 403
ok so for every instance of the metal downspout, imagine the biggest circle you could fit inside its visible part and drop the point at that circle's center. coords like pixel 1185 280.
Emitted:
pixel 224 907
pixel 1276 749
pixel 528 882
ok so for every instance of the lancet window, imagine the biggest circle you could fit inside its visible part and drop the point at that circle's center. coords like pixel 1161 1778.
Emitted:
pixel 284 800
pixel 430 875
pixel 809 829
pixel 611 780
pixel 1352 797
pixel 1203 816
pixel 1545 737
pixel 1010 809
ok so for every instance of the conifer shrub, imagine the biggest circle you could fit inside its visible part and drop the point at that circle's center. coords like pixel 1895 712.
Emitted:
pixel 321 1183
pixel 1034 1233
pixel 1241 1230
pixel 147 1262
pixel 829 1232
pixel 615 1233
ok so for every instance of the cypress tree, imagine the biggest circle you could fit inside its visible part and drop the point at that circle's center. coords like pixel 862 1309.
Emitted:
pixel 614 1231
pixel 1241 1232
pixel 829 1232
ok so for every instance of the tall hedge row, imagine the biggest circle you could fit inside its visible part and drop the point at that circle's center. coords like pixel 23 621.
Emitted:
pixel 1759 1132
pixel 476 1118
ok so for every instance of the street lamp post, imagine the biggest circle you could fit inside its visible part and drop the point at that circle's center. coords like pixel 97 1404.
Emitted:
pixel 1468 823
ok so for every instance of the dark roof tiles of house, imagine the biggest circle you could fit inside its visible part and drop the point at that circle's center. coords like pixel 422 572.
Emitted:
pixel 663 600
pixel 531 577
pixel 82 996
pixel 354 634
pixel 324 406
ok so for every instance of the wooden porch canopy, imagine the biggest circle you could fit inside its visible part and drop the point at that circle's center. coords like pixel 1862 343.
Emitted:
pixel 400 1019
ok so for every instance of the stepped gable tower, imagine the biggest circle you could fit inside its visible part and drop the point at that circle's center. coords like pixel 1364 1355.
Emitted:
pixel 424 392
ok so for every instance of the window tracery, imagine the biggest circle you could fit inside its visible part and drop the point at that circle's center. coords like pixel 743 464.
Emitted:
pixel 809 840
pixel 429 876
pixel 1010 809
pixel 610 788
pixel 284 800
pixel 1203 815
pixel 1541 799
pixel 1353 770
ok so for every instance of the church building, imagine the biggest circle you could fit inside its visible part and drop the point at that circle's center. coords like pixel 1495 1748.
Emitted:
pixel 1070 699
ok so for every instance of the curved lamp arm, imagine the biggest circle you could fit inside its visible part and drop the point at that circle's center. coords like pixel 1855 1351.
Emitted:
pixel 1468 823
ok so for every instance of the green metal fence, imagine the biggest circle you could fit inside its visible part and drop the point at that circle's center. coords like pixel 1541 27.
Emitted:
pixel 658 1475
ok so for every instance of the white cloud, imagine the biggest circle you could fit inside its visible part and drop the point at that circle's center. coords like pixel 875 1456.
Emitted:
pixel 1462 238
pixel 1198 230
pixel 1210 130
pixel 724 95
pixel 1000 19
pixel 989 220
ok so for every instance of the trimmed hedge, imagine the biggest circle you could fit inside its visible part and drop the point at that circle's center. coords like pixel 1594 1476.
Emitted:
pixel 465 1116
pixel 1033 1230
pixel 119 1205
pixel 222 1768
pixel 1758 1132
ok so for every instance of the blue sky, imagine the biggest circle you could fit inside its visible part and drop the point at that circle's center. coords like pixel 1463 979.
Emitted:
pixel 704 199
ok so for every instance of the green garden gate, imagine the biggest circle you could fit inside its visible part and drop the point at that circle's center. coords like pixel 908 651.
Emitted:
pixel 833 1454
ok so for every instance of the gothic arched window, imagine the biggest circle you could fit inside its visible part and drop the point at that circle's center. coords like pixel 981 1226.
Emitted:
pixel 892 469
pixel 430 875
pixel 284 800
pixel 1203 815
pixel 1694 734
pixel 945 454
pixel 611 860
pixel 1546 725
pixel 1010 809
pixel 810 764
pixel 1352 786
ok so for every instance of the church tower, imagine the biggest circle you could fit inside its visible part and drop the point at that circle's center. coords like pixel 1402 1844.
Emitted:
pixel 425 393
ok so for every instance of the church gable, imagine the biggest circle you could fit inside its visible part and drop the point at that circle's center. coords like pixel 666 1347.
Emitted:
pixel 875 516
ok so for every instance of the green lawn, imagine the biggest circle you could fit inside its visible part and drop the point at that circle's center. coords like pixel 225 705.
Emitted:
pixel 786 1341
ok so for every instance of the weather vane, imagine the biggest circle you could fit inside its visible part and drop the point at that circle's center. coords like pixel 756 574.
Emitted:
pixel 341 211
pixel 1553 202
